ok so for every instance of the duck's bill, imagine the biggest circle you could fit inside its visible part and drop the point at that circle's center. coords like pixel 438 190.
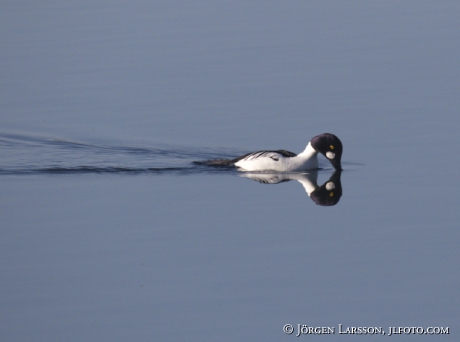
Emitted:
pixel 336 164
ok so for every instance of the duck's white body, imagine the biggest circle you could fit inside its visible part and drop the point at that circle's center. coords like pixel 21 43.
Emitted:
pixel 279 161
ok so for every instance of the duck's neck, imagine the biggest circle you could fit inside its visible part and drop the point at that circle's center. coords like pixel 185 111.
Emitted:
pixel 308 159
pixel 309 152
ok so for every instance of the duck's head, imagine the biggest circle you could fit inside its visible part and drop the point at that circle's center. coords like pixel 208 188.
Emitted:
pixel 330 146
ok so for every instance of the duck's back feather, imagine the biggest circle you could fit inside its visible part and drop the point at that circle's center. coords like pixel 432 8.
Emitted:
pixel 259 154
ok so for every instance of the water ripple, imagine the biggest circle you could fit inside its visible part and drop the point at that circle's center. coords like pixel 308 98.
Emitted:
pixel 28 155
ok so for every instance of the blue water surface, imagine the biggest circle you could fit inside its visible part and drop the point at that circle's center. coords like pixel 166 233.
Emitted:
pixel 110 232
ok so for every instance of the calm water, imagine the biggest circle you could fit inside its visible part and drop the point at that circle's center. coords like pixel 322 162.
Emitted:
pixel 110 232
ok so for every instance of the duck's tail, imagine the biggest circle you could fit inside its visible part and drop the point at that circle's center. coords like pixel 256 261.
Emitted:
pixel 216 162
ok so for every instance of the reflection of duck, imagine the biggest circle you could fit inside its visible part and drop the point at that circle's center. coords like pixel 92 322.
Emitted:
pixel 327 194
pixel 284 161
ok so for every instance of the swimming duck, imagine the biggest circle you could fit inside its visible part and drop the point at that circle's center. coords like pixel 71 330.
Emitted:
pixel 284 161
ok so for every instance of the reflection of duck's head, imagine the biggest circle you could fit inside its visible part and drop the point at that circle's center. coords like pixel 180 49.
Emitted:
pixel 326 195
pixel 330 192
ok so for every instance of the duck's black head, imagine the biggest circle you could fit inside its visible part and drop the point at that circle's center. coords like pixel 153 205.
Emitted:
pixel 330 146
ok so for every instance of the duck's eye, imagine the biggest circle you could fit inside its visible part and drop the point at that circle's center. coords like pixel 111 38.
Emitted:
pixel 331 147
pixel 331 194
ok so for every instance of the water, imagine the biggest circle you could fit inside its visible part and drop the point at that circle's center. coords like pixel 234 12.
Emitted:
pixel 110 232
pixel 30 155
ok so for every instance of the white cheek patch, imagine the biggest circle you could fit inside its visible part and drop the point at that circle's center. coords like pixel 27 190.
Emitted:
pixel 330 186
pixel 330 155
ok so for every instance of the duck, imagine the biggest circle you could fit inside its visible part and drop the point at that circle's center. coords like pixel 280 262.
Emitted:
pixel 327 144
